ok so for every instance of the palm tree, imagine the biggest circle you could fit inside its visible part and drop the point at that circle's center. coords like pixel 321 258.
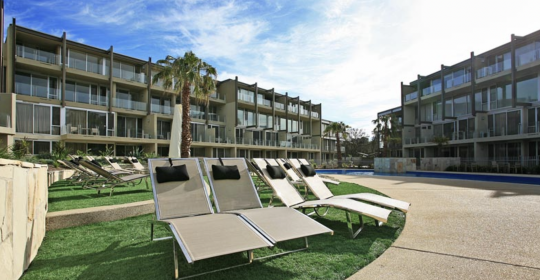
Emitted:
pixel 337 128
pixel 386 127
pixel 186 75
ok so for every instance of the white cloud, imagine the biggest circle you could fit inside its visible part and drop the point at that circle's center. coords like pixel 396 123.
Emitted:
pixel 349 55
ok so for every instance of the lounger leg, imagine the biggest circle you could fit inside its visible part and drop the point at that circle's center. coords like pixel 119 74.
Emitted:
pixel 151 231
pixel 306 242
pixel 350 225
pixel 175 260
pixel 271 200
pixel 250 255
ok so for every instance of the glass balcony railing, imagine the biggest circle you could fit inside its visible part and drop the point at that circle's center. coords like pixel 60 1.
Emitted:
pixel 279 106
pixel 411 96
pixel 38 91
pixel 36 54
pixel 215 117
pixel 292 109
pixel 264 102
pixel 161 109
pixel 315 114
pixel 527 57
pixel 129 104
pixel 217 95
pixel 194 114
pixel 493 69
pixel 132 76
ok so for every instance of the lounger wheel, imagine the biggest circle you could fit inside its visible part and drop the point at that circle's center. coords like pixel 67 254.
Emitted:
pixel 318 211
pixel 378 223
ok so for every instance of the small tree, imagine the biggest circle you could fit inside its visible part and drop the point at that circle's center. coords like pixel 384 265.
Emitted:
pixel 440 141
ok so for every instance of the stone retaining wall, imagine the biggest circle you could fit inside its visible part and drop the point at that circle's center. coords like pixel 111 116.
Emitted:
pixel 23 207
pixel 394 165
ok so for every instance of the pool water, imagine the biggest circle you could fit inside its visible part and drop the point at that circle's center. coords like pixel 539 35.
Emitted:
pixel 507 178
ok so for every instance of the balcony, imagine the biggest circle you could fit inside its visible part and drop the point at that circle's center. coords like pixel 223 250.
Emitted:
pixel 87 66
pixel 264 102
pixel 82 130
pixel 315 115
pixel 129 104
pixel 38 55
pixel 162 109
pixel 131 76
pixel 279 106
pixel 492 69
pixel 527 57
pixel 292 109
pixel 411 96
pixel 218 96
pixel 194 114
pixel 215 117
pixel 38 91
pixel 246 97
pixel 5 120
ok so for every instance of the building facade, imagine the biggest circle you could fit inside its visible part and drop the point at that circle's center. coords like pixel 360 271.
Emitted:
pixel 486 107
pixel 94 99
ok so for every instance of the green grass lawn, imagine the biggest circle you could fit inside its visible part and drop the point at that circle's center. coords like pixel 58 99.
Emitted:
pixel 63 196
pixel 123 250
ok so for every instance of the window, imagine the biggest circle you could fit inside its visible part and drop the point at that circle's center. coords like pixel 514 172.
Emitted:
pixel 527 90
pixel 38 119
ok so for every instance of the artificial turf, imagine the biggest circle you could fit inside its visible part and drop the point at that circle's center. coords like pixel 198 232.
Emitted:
pixel 123 250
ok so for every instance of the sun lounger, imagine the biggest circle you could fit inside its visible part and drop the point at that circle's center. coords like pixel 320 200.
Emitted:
pixel 321 191
pixel 137 166
pixel 240 196
pixel 111 180
pixel 289 196
pixel 81 174
pixel 114 164
pixel 183 205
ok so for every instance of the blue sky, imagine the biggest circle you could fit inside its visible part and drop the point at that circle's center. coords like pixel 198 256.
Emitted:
pixel 349 55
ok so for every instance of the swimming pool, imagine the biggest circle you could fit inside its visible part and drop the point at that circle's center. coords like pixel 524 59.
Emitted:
pixel 524 179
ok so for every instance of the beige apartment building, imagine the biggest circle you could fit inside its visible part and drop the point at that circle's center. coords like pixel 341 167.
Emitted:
pixel 487 106
pixel 93 99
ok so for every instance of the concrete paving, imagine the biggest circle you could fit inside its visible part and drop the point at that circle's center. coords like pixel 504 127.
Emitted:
pixel 459 229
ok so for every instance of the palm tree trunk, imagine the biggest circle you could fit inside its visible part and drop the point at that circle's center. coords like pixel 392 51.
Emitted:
pixel 186 122
pixel 338 147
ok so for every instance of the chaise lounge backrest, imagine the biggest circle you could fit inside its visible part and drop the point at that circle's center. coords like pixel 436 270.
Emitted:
pixel 232 194
pixel 282 188
pixel 315 183
pixel 175 199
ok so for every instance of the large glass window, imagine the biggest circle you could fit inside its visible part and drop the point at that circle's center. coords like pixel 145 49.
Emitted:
pixel 129 127
pixel 527 90
pixel 460 106
pixel 38 119
pixel 25 120
pixel 449 112
pixel 514 122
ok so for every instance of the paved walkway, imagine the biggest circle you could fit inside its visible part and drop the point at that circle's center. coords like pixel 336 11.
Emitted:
pixel 459 229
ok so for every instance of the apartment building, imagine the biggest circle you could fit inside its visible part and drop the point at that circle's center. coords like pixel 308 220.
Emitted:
pixel 93 99
pixel 487 106
pixel 394 148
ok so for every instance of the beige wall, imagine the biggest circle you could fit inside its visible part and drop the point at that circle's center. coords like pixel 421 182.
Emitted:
pixel 23 206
